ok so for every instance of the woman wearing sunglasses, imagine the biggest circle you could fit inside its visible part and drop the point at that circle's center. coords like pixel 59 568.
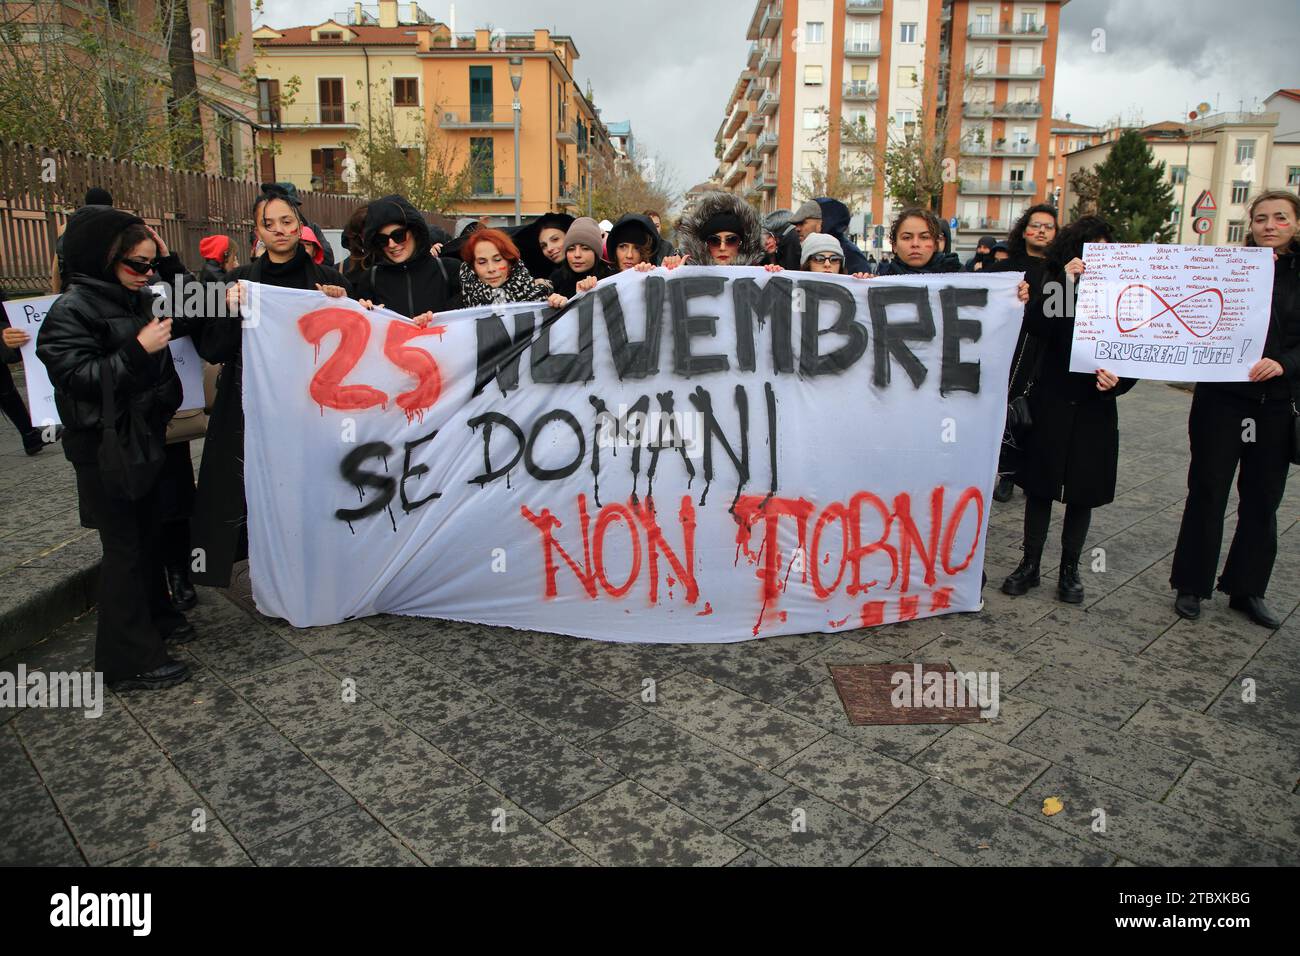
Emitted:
pixel 220 520
pixel 405 276
pixel 722 230
pixel 821 252
pixel 116 388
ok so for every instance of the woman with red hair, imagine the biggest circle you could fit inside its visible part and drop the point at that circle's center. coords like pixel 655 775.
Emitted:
pixel 492 273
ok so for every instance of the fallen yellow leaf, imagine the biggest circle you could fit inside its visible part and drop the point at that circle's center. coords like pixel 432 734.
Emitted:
pixel 1052 806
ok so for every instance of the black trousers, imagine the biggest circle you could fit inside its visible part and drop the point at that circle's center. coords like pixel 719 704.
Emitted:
pixel 11 402
pixel 1216 428
pixel 1038 515
pixel 135 612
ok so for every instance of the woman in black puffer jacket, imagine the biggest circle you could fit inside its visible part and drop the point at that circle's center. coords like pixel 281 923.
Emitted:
pixel 405 276
pixel 915 238
pixel 101 336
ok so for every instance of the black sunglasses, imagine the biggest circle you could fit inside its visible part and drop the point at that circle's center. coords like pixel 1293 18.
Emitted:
pixel 823 258
pixel 717 242
pixel 397 235
pixel 141 267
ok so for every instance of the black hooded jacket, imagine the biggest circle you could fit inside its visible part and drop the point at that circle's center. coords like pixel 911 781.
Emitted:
pixel 692 228
pixel 291 191
pixel 528 238
pixel 423 283
pixel 835 223
pixel 939 262
pixel 626 230
pixel 565 281
pixel 91 330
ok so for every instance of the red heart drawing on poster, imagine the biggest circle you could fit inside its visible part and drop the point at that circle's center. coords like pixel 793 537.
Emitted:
pixel 1194 318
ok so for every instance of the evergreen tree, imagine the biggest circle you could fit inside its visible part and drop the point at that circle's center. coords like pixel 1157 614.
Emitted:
pixel 1134 195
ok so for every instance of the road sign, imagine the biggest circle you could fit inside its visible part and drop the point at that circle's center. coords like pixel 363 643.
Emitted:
pixel 1205 204
pixel 952 223
pixel 1201 226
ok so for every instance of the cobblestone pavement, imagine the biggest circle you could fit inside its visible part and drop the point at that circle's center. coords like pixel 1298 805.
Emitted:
pixel 471 744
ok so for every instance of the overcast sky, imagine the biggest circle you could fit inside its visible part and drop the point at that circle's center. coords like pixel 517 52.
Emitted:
pixel 668 65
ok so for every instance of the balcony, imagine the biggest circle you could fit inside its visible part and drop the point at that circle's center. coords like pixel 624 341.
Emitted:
pixel 771 22
pixel 752 157
pixel 769 102
pixel 865 6
pixel 733 175
pixel 767 143
pixel 736 119
pixel 770 61
pixel 757 123
pixel 1006 73
pixel 1007 110
pixel 568 196
pixel 567 134
pixel 1001 148
pixel 768 181
pixel 754 90
pixel 478 117
pixel 734 148
pixel 1007 31
pixel 1004 187
pixel 861 49
pixel 983 225
pixel 861 92
pixel 752 60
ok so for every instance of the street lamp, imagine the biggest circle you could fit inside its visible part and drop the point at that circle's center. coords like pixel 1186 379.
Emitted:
pixel 516 80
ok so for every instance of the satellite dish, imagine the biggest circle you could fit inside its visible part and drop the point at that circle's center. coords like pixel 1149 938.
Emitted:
pixel 1258 109
pixel 1202 108
pixel 1192 115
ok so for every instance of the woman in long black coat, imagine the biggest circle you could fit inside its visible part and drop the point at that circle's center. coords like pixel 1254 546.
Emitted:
pixel 1071 454
pixel 107 356
pixel 220 525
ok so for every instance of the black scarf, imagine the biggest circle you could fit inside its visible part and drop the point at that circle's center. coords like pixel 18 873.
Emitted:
pixel 520 286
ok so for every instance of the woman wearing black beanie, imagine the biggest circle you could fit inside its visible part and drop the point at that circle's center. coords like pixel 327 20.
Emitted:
pixel 116 388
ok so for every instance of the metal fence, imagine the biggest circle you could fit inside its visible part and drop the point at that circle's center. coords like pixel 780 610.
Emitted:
pixel 40 188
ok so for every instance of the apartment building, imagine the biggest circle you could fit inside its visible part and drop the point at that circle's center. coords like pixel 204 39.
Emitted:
pixel 398 57
pixel 1232 156
pixel 1066 137
pixel 827 84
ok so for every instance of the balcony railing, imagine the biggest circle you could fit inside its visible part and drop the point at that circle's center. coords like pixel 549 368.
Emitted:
pixel 734 149
pixel 477 117
pixel 983 224
pixel 752 157
pixel 768 180
pixel 568 134
pixel 767 143
pixel 865 6
pixel 861 90
pixel 769 102
pixel 757 123
pixel 752 60
pixel 770 61
pixel 1007 31
pixel 1006 109
pixel 974 148
pixel 861 48
pixel 1010 72
pixel 771 23
pixel 997 187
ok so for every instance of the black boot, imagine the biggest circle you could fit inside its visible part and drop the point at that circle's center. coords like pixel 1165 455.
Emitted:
pixel 1004 489
pixel 170 674
pixel 183 596
pixel 1069 587
pixel 1255 609
pixel 1025 576
pixel 1187 605
pixel 33 441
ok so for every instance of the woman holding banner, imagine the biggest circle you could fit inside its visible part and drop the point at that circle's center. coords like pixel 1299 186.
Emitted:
pixel 405 276
pixel 914 237
pixel 116 387
pixel 1250 425
pixel 493 273
pixel 219 528
pixel 1072 450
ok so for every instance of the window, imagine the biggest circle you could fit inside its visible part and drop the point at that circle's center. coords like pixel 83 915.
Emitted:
pixel 984 20
pixel 1029 21
pixel 1240 191
pixel 331 99
pixel 480 94
pixel 481 164
pixel 1178 175
pixel 811 119
pixel 812 75
pixel 813 31
pixel 406 91
pixel 906 77
pixel 811 158
pixel 1245 150
pixel 268 101
pixel 905 117
pixel 219 26
pixel 907 33
pixel 1236 232
pixel 329 35
pixel 1293 175
pixel 564 175
pixel 1017 176
pixel 326 165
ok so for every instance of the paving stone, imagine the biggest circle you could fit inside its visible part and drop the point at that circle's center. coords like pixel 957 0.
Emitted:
pixel 618 668
pixel 1014 715
pixel 348 837
pixel 972 831
pixel 627 825
pixel 541 772
pixel 821 705
pixel 1230 746
pixel 1077 691
pixel 1209 647
pixel 708 782
pixel 259 784
pixel 213 846
pixel 851 776
pixel 390 770
pixel 746 727
pixel 564 704
pixel 71 750
pixel 233 645
pixel 969 655
pixel 1282 650
pixel 1276 705
pixel 797 828
pixel 895 851
pixel 1143 831
pixel 298 696
pixel 1240 804
pixel 1125 760
pixel 460 831
pixel 754 676
pixel 979 764
pixel 32 832
pixel 750 858
pixel 190 713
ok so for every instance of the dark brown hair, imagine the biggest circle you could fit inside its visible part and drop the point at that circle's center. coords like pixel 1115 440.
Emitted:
pixel 916 212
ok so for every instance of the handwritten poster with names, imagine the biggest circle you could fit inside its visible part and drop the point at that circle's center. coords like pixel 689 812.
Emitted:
pixel 1174 313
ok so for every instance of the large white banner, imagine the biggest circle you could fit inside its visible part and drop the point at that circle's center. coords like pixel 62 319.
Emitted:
pixel 711 454
pixel 1174 313
pixel 27 314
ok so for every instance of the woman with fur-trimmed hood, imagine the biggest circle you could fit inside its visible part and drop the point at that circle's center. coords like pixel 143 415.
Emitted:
pixel 722 230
